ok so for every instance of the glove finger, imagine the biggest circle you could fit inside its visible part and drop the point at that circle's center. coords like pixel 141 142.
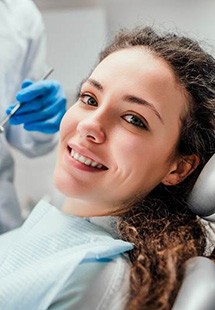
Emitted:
pixel 39 115
pixel 35 105
pixel 30 107
pixel 26 83
pixel 41 103
pixel 25 108
pixel 34 116
pixel 49 127
pixel 38 89
pixel 10 108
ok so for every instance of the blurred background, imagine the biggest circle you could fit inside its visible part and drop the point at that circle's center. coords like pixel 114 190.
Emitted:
pixel 76 32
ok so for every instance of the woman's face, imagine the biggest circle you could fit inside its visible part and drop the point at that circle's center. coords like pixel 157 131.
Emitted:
pixel 117 140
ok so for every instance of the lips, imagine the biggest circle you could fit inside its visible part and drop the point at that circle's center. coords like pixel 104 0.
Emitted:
pixel 86 160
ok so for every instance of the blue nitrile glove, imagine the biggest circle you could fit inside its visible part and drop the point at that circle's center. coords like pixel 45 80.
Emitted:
pixel 43 106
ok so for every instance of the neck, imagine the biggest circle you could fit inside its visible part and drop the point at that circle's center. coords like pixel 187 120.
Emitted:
pixel 84 208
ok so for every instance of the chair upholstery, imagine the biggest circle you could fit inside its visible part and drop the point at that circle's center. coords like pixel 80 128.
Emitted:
pixel 197 291
pixel 202 198
pixel 198 288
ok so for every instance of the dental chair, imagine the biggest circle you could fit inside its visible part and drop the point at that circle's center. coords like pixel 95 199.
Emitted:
pixel 197 291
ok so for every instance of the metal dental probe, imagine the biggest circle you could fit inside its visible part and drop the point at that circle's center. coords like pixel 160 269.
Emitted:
pixel 18 104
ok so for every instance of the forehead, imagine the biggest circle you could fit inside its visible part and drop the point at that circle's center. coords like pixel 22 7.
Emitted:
pixel 135 61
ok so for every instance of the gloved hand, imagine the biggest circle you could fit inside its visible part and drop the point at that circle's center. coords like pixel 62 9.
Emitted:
pixel 43 106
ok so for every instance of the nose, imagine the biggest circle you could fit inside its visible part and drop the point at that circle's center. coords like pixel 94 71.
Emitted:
pixel 91 129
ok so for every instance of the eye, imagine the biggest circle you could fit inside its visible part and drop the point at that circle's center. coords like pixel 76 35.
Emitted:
pixel 87 99
pixel 136 121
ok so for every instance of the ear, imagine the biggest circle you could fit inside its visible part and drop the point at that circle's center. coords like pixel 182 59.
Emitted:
pixel 181 168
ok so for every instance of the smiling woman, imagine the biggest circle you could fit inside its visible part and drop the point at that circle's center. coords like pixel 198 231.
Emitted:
pixel 115 117
pixel 130 151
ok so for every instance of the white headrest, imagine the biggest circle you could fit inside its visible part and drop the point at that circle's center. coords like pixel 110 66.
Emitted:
pixel 202 197
pixel 197 291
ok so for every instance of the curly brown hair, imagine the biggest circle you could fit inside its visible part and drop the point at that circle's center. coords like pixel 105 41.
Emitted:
pixel 161 226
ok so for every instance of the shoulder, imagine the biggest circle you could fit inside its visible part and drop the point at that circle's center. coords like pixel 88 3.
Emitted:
pixel 96 286
pixel 24 16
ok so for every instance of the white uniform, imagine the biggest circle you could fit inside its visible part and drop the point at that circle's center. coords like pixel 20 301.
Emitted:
pixel 22 55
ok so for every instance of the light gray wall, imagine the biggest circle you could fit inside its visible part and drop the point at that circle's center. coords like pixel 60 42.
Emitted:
pixel 195 17
pixel 74 38
pixel 44 5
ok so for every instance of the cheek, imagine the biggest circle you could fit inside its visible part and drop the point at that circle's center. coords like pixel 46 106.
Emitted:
pixel 68 123
pixel 141 154
pixel 61 180
pixel 132 147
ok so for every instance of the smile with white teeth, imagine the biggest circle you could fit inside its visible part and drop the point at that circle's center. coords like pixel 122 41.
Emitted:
pixel 84 160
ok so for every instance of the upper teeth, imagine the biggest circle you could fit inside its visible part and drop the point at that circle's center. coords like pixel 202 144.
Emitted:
pixel 85 160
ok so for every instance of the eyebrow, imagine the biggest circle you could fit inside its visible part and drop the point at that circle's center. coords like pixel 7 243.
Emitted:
pixel 94 83
pixel 134 99
pixel 129 98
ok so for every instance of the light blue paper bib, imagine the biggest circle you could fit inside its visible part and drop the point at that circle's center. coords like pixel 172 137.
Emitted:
pixel 46 251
